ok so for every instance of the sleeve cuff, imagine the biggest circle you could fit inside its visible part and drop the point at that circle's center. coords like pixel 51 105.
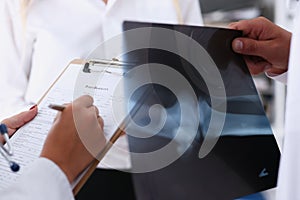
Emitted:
pixel 278 77
pixel 45 180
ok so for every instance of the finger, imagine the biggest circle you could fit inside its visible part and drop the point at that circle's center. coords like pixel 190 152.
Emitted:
pixel 242 25
pixel 254 27
pixel 257 66
pixel 19 120
pixel 57 116
pixel 96 110
pixel 84 101
pixel 251 47
pixel 233 25
pixel 100 121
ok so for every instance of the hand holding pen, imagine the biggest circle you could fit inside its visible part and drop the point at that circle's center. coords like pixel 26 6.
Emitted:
pixel 75 137
pixel 77 131
pixel 101 148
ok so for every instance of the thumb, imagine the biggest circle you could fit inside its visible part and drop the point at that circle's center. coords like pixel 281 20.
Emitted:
pixel 249 46
pixel 20 119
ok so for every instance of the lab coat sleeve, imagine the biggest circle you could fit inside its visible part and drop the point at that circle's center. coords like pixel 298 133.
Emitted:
pixel 289 174
pixel 191 12
pixel 42 180
pixel 14 74
pixel 281 77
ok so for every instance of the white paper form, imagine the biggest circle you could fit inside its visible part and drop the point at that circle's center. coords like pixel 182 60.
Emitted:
pixel 28 141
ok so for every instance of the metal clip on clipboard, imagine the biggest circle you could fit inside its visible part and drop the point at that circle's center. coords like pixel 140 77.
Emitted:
pixel 115 63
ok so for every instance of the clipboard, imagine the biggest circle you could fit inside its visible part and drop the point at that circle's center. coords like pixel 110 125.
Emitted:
pixel 122 126
pixel 119 131
pixel 131 113
pixel 87 66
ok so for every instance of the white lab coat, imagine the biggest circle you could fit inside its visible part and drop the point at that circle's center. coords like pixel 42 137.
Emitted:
pixel 56 32
pixel 289 174
pixel 42 180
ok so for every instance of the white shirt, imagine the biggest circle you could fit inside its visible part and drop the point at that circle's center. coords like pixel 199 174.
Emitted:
pixel 289 175
pixel 59 31
pixel 42 180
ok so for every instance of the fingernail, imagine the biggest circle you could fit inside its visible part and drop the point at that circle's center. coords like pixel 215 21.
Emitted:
pixel 238 45
pixel 32 107
pixel 232 25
